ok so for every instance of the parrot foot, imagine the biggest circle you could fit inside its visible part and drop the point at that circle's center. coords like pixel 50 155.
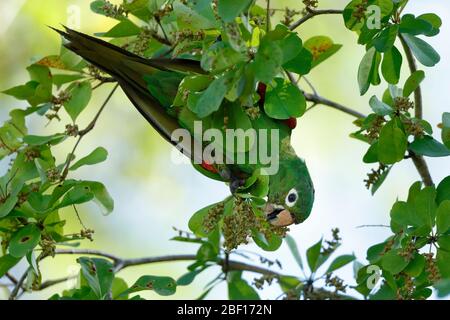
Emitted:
pixel 235 184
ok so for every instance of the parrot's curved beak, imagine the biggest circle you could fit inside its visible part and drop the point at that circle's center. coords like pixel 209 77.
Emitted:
pixel 278 216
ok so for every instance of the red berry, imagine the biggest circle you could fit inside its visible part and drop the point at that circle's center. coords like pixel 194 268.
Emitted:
pixel 208 167
pixel 262 88
pixel 291 123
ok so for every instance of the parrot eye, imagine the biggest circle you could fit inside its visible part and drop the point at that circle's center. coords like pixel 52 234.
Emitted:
pixel 291 198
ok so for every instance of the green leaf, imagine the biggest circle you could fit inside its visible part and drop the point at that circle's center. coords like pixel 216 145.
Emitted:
pixel 211 99
pixel 402 214
pixel 124 28
pixel 415 266
pixel 428 146
pixel 434 20
pixel 79 194
pixel 443 217
pixel 413 82
pixel 99 274
pixel 164 286
pixel 118 286
pixel 312 255
pixel 229 9
pixel 301 64
pixel 340 262
pixel 196 221
pixel 321 48
pixel 446 129
pixel 425 207
pixel 98 155
pixel 442 259
pixel 422 51
pixel 7 206
pixel 294 250
pixel 366 70
pixel 393 262
pixel 379 107
pixel 239 289
pixel 268 61
pixel 24 240
pixel 414 26
pixel 101 196
pixel 391 65
pixel 385 40
pixel 270 242
pixel 392 144
pixel 284 101
pixel 189 277
pixel 443 287
pixel 41 140
pixel 6 263
pixel 80 95
pixel 443 190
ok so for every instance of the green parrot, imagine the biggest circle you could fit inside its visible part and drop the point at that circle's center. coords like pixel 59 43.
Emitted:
pixel 152 85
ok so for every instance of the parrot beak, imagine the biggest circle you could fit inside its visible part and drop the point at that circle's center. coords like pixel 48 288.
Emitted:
pixel 278 216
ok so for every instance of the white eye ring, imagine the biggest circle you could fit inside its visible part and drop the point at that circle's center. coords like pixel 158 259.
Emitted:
pixel 291 198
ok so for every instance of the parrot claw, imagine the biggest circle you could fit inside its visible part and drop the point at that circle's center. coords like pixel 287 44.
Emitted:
pixel 235 184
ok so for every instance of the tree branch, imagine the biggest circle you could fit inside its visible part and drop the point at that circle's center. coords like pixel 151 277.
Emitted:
pixel 311 14
pixel 82 133
pixel 419 161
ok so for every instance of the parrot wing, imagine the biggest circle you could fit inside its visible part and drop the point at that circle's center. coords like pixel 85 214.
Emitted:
pixel 129 70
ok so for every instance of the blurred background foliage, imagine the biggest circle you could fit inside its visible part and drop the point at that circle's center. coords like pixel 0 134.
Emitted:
pixel 152 194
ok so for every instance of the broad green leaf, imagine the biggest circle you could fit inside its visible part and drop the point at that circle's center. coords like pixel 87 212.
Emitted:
pixel 312 255
pixel 402 213
pixel 321 48
pixel 366 70
pixel 428 146
pixel 380 180
pixel 229 9
pixel 284 101
pixel 99 275
pixel 61 79
pixel 6 263
pixel 81 93
pixel 188 278
pixel 415 266
pixel 393 262
pixel 443 190
pixel 164 286
pixel 294 250
pixel 98 155
pixel 434 20
pixel 196 221
pixel 24 240
pixel 422 51
pixel 124 28
pixel 425 207
pixel 413 82
pixel 239 289
pixel 371 155
pixel 301 64
pixel 414 26
pixel 340 262
pixel 442 259
pixel 391 65
pixel 41 140
pixel 211 99
pixel 443 287
pixel 270 242
pixel 220 57
pixel 443 217
pixel 392 144
pixel 446 129
pixel 118 286
pixel 385 40
pixel 8 205
pixel 101 196
pixel 268 61
pixel 79 194
pixel 379 107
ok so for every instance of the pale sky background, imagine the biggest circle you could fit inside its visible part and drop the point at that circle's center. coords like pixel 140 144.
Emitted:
pixel 152 194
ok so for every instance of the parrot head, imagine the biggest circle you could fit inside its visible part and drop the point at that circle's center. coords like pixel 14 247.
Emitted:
pixel 291 193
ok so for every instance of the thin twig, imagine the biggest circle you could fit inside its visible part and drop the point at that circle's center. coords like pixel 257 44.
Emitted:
pixel 19 285
pixel 82 133
pixel 419 161
pixel 312 14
